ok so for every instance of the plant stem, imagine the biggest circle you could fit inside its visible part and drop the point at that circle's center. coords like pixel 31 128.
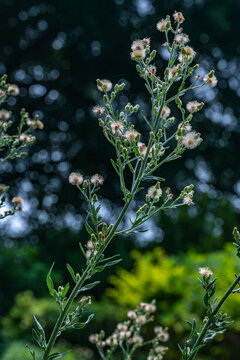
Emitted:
pixel 215 311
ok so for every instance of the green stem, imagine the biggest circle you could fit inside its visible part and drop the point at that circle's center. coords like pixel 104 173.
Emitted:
pixel 209 322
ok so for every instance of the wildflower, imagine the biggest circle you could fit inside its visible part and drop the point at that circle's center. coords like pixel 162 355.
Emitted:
pixel 187 200
pixel 30 122
pixel 101 343
pixel 151 70
pixel 104 85
pixel 131 315
pixel 98 110
pixel 165 112
pixel 138 54
pixel 186 127
pixel 146 42
pixel 39 124
pixel 161 350
pixel 173 72
pixel 188 51
pixel 178 17
pixel 154 192
pixel 191 140
pixel 148 307
pixel 13 89
pixel 75 178
pixel 4 114
pixel 3 188
pixel 182 38
pixel 205 272
pixel 161 333
pixel 142 148
pixel 163 25
pixel 90 245
pixel 132 135
pixel 27 138
pixel 93 338
pixel 85 300
pixel 141 319
pixel 210 79
pixel 89 253
pixel 117 127
pixel 97 180
pixel 137 339
pixel 17 200
pixel 122 327
pixel 137 45
pixel 2 93
pixel 124 334
pixel 111 341
pixel 193 106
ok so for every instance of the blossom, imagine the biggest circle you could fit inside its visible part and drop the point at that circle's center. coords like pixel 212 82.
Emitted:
pixel 187 200
pixel 161 350
pixel 13 89
pixel 148 307
pixel 178 17
pixel 173 72
pixel 17 200
pixel 38 124
pixel 153 151
pixel 4 114
pixel 193 106
pixel 163 25
pixel 137 339
pixel 182 38
pixel 146 42
pixel 186 127
pixel 117 127
pixel 205 272
pixel 151 70
pixel 142 148
pixel 165 112
pixel 104 85
pixel 93 338
pixel 90 245
pixel 141 319
pixel 124 334
pixel 97 180
pixel 132 135
pixel 122 327
pixel 188 51
pixel 131 315
pixel 138 54
pixel 98 110
pixel 27 138
pixel 75 178
pixel 191 140
pixel 137 45
pixel 210 79
pixel 154 192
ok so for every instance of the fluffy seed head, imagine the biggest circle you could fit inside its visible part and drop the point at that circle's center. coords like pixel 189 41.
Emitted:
pixel 138 54
pixel 191 140
pixel 154 192
pixel 205 272
pixel 13 89
pixel 104 85
pixel 182 38
pixel 131 315
pixel 137 339
pixel 93 338
pixel 165 112
pixel 172 72
pixel 97 180
pixel 137 45
pixel 38 124
pixel 210 80
pixel 98 110
pixel 141 319
pixel 4 114
pixel 163 25
pixel 117 127
pixel 193 106
pixel 187 200
pixel 17 200
pixel 132 135
pixel 178 17
pixel 75 178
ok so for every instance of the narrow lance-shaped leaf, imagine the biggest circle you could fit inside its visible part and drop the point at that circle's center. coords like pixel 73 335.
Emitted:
pixel 50 284
pixel 72 273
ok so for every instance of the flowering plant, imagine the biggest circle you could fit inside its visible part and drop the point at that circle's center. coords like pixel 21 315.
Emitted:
pixel 11 145
pixel 138 159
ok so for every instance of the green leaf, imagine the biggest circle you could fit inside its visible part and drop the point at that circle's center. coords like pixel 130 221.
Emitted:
pixel 90 286
pixel 89 229
pixel 50 284
pixel 72 273
pixel 82 324
pixel 65 290
pixel 114 166
pixel 109 258
pixel 38 326
pixel 56 356
pixel 114 262
pixel 173 61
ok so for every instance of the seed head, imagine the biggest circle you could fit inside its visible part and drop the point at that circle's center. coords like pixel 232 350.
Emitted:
pixel 163 25
pixel 13 89
pixel 151 70
pixel 93 338
pixel 194 106
pixel 165 112
pixel 132 135
pixel 131 315
pixel 17 200
pixel 210 79
pixel 178 17
pixel 187 200
pixel 75 178
pixel 138 54
pixel 104 85
pixel 4 115
pixel 141 319
pixel 117 127
pixel 97 180
pixel 205 272
pixel 182 38
pixel 191 140
pixel 155 193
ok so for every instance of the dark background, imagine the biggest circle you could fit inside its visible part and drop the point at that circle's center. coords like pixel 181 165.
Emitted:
pixel 54 51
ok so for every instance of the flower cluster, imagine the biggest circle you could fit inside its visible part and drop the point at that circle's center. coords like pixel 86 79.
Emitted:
pixel 127 336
